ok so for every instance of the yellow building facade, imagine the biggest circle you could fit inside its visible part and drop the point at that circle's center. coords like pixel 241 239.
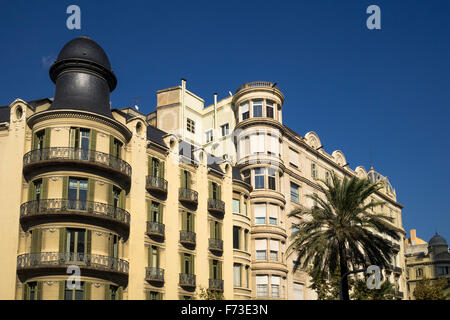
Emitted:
pixel 159 205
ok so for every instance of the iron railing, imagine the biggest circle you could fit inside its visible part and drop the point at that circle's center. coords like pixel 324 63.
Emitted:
pixel 187 236
pixel 155 228
pixel 257 84
pixel 156 183
pixel 42 259
pixel 67 153
pixel 65 206
pixel 216 205
pixel 185 194
pixel 154 274
pixel 216 284
pixel 187 279
pixel 216 244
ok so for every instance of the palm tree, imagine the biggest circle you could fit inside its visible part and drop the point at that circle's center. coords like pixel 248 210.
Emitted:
pixel 341 229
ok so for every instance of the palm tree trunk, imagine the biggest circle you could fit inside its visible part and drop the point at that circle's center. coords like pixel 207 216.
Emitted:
pixel 343 269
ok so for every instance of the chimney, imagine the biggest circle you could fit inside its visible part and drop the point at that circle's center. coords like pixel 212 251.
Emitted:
pixel 215 112
pixel 413 236
pixel 182 117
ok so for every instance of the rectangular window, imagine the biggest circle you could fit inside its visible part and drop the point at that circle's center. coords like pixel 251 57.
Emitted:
pixel 77 194
pixel 275 284
pixel 262 283
pixel 74 294
pixel 190 125
pixel 257 143
pixel 298 291
pixel 247 177
pixel 313 171
pixel 260 213
pixel 225 129
pixel 261 249
pixel 257 108
pixel 209 135
pixel 273 214
pixel 245 111
pixel 274 248
pixel 327 177
pixel 259 178
pixel 274 145
pixel 237 274
pixel 154 295
pixel 236 206
pixel 293 158
pixel 272 178
pixel 295 193
pixel 269 109
pixel 236 237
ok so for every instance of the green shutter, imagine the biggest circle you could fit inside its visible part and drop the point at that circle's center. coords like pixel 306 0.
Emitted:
pixel 149 210
pixel 192 224
pixel 110 195
pixel 34 142
pixel 36 241
pixel 219 230
pixel 122 199
pixel 25 291
pixel 212 231
pixel 150 166
pixel 219 192
pixel 107 292
pixel 44 191
pixel 161 212
pixel 46 141
pixel 39 290
pixel 182 269
pixel 62 240
pixel 210 189
pixel 87 291
pixel 65 188
pixel 88 241
pixel 182 178
pixel 93 140
pixel 219 271
pixel 191 260
pixel 91 189
pixel 188 179
pixel 183 220
pixel 110 245
pixel 211 266
pixel 161 169
pixel 31 191
pixel 120 293
pixel 150 252
pixel 62 285
pixel 111 145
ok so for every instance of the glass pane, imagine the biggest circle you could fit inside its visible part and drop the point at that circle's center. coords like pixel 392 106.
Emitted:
pixel 80 243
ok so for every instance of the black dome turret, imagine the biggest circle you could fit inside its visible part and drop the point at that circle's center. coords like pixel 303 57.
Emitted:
pixel 83 77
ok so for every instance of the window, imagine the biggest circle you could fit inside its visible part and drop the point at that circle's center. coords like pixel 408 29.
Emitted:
pixel 275 286
pixel 113 292
pixel 187 263
pixel 187 222
pixel 272 178
pixel 245 206
pixel 215 269
pixel 236 205
pixel 294 228
pixel 257 108
pixel 261 249
pixel 37 189
pixel 257 143
pixel 295 193
pixel 247 276
pixel 293 158
pixel 76 244
pixel 273 214
pixel 154 295
pixel 327 177
pixel 215 229
pixel 259 178
pixel 246 176
pixel 298 291
pixel 236 237
pixel 209 135
pixel 313 171
pixel 274 248
pixel 419 272
pixel 155 211
pixel 190 125
pixel 262 283
pixel 153 256
pixel 274 145
pixel 269 109
pixel 237 274
pixel 74 293
pixel 31 291
pixel 116 148
pixel 225 129
pixel 77 193
pixel 260 213
pixel 245 111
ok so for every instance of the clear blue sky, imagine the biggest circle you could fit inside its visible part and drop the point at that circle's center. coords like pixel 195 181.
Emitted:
pixel 380 96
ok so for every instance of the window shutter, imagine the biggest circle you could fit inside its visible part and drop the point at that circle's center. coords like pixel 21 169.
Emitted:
pixel 219 270
pixel 33 142
pixel 149 210
pixel 157 257
pixel 91 189
pixel 93 140
pixel 62 240
pixel 183 220
pixel 39 241
pixel 110 246
pixel 46 143
pixel 182 179
pixel 160 215
pixel 212 229
pixel 120 293
pixel 65 188
pixel 107 292
pixel 188 179
pixel 147 295
pixel 150 166
pixel 192 224
pixel 122 199
pixel 111 145
pixel 72 137
pixel 210 189
pixel 36 240
pixel 110 195
pixel 219 192
pixel 88 241
pixel 219 230
pixel 150 254
pixel 31 191
pixel 211 272
pixel 182 269
pixel 161 169
pixel 25 291
pixel 87 291
pixel 191 263
pixel 44 191
pixel 62 285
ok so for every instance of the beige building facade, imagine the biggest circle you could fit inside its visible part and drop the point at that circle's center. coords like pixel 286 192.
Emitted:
pixel 159 205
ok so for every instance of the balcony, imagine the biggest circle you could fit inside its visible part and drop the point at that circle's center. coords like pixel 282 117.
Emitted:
pixel 187 237
pixel 155 229
pixel 396 247
pixel 156 184
pixel 187 280
pixel 64 158
pixel 188 196
pixel 216 206
pixel 256 84
pixel 64 210
pixel 32 265
pixel 398 270
pixel 216 245
pixel 216 284
pixel 153 274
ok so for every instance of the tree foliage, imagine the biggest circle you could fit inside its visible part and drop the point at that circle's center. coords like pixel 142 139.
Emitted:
pixel 427 289
pixel 208 294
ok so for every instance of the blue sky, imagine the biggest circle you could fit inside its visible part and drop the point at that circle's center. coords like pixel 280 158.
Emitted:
pixel 380 96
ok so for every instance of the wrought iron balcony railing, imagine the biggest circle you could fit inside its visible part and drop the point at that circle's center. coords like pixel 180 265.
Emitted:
pixel 43 259
pixel 75 154
pixel 154 274
pixel 66 207
pixel 215 244
pixel 155 228
pixel 216 205
pixel 216 284
pixel 258 84
pixel 188 195
pixel 187 279
pixel 187 237
pixel 156 184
